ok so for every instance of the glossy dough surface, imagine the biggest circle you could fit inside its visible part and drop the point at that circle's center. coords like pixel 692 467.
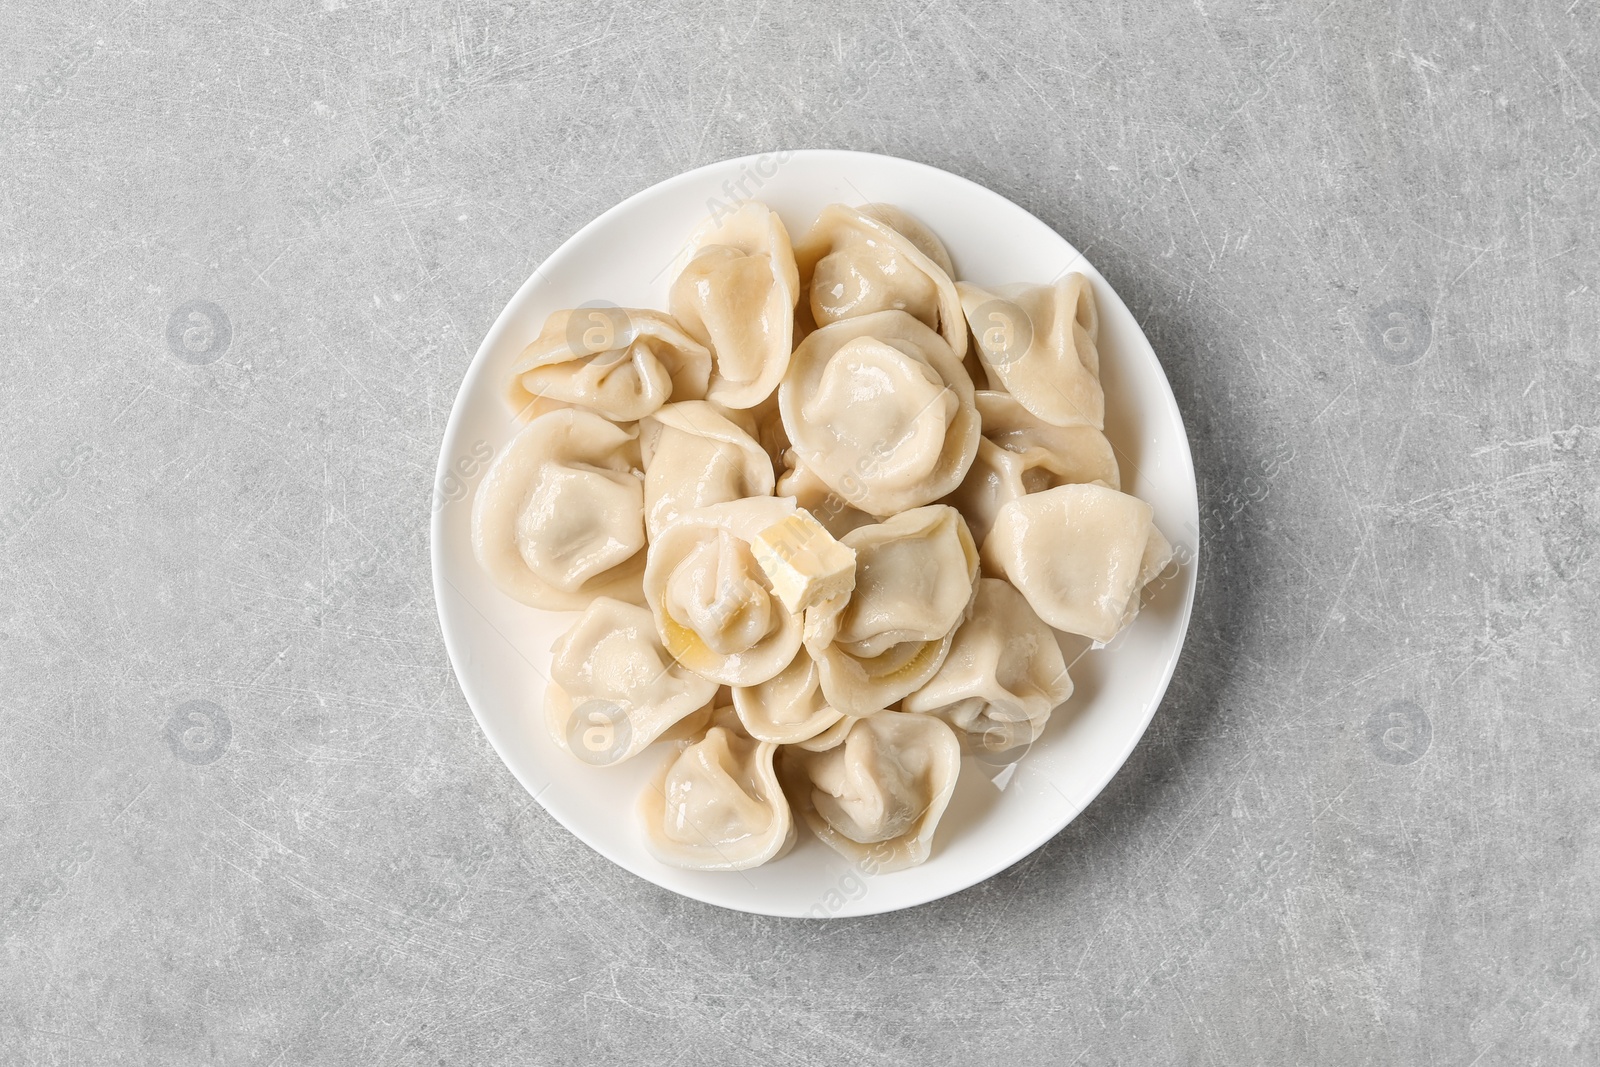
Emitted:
pixel 694 456
pixel 736 296
pixel 880 409
pixel 1078 554
pixel 914 585
pixel 789 707
pixel 1020 453
pixel 715 609
pixel 877 796
pixel 615 687
pixel 717 806
pixel 559 517
pixel 855 261
pixel 1003 677
pixel 622 363
pixel 1039 343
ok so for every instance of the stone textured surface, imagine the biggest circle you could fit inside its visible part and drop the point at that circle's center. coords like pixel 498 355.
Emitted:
pixel 245 255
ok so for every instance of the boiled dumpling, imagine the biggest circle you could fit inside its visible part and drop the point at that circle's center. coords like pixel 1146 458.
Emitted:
pixel 718 806
pixel 1079 554
pixel 1158 556
pixel 787 708
pixel 713 605
pixel 623 363
pixel 1003 677
pixel 877 798
pixel 1020 453
pixel 914 582
pixel 694 456
pixel 614 688
pixel 881 410
pixel 857 261
pixel 1039 343
pixel 737 296
pixel 559 517
pixel 1057 454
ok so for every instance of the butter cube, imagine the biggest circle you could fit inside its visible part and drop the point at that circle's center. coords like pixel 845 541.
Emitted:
pixel 804 563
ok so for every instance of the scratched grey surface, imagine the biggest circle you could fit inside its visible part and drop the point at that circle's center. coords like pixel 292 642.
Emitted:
pixel 246 252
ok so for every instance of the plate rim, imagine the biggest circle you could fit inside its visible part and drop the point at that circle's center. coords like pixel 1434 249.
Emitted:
pixel 477 367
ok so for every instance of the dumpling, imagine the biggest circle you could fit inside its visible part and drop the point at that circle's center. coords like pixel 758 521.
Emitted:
pixel 559 517
pixel 613 687
pixel 1158 556
pixel 736 296
pixel 880 409
pixel 623 363
pixel 714 606
pixel 1003 677
pixel 1019 454
pixel 1056 455
pixel 858 261
pixel 1039 343
pixel 718 806
pixel 1079 554
pixel 694 456
pixel 826 506
pixel 788 707
pixel 877 798
pixel 914 584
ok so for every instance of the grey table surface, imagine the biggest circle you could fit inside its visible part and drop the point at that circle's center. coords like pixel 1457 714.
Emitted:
pixel 246 253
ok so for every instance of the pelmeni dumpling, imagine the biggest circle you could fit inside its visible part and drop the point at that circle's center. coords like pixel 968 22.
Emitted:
pixel 1055 454
pixel 789 707
pixel 714 607
pixel 880 409
pixel 621 362
pixel 1038 343
pixel 858 261
pixel 1020 453
pixel 736 296
pixel 1003 677
pixel 914 581
pixel 1079 554
pixel 718 806
pixel 614 688
pixel 877 797
pixel 826 506
pixel 559 517
pixel 694 456
pixel 1158 556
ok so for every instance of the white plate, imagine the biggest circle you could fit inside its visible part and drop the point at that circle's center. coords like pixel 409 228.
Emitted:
pixel 501 649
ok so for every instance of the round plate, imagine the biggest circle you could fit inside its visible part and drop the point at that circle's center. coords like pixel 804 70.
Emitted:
pixel 501 649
